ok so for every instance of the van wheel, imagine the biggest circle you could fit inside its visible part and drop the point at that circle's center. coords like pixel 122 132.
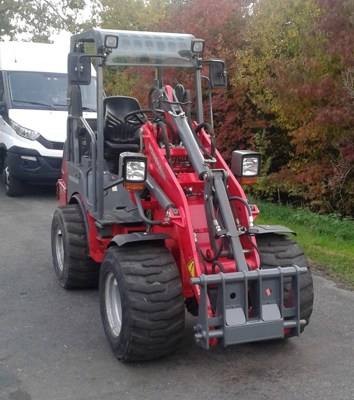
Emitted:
pixel 13 186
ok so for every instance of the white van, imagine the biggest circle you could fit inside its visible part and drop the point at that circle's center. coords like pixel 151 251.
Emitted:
pixel 33 112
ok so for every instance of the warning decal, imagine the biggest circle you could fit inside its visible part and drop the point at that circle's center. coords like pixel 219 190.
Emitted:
pixel 191 269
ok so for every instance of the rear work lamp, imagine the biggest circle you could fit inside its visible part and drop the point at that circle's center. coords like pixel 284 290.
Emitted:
pixel 246 165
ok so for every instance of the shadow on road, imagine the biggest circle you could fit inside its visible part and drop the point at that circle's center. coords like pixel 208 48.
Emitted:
pixel 36 191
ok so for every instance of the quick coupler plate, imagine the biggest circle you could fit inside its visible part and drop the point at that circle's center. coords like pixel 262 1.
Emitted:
pixel 241 307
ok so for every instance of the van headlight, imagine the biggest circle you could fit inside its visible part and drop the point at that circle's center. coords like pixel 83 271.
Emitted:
pixel 24 132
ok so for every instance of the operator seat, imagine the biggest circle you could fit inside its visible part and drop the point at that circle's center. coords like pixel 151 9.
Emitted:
pixel 119 136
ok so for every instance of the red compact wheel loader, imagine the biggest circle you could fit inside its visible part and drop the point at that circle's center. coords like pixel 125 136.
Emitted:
pixel 149 210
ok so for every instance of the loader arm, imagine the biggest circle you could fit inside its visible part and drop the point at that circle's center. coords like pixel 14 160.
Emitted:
pixel 216 247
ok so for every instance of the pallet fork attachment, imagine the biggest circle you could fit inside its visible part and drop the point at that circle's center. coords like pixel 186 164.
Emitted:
pixel 249 306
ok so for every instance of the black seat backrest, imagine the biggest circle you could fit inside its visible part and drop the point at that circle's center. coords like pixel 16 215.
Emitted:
pixel 119 136
pixel 117 133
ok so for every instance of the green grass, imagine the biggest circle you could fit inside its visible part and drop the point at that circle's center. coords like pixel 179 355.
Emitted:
pixel 326 240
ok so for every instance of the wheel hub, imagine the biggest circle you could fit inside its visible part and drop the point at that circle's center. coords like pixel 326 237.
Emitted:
pixel 113 305
pixel 6 178
pixel 59 249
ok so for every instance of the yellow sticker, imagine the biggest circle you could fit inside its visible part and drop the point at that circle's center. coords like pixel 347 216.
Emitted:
pixel 191 269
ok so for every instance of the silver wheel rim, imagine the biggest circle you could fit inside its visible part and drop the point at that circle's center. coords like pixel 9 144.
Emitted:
pixel 113 305
pixel 7 178
pixel 59 249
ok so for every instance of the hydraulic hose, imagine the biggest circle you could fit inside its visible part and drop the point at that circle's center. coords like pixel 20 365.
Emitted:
pixel 141 211
pixel 166 142
pixel 210 130
pixel 244 202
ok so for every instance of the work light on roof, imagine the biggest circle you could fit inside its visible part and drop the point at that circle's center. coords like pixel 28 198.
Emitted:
pixel 111 42
pixel 197 46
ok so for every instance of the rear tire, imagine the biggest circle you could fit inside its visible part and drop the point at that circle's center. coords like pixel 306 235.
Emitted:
pixel 141 302
pixel 13 186
pixel 72 264
pixel 283 251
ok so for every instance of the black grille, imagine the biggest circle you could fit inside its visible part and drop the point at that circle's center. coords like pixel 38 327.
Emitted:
pixel 50 145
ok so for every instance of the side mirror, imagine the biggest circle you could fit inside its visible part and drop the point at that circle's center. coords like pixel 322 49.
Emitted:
pixel 79 69
pixel 217 74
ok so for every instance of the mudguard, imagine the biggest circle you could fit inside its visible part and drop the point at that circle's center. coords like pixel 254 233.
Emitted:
pixel 261 229
pixel 121 240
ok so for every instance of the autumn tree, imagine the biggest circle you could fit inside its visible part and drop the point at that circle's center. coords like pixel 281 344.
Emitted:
pixel 296 64
pixel 220 25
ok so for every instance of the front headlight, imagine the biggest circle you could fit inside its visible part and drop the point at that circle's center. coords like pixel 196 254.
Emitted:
pixel 246 165
pixel 133 169
pixel 250 166
pixel 24 132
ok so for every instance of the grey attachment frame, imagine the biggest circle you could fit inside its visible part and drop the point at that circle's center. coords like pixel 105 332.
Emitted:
pixel 232 323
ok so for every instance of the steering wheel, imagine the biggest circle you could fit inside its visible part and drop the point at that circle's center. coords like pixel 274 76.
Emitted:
pixel 136 117
pixel 139 117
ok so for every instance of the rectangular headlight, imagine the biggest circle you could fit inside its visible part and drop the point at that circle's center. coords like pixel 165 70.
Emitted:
pixel 133 169
pixel 111 42
pixel 246 164
pixel 197 46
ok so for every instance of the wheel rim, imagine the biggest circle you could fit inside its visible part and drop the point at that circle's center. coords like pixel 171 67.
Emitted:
pixel 7 178
pixel 59 249
pixel 113 304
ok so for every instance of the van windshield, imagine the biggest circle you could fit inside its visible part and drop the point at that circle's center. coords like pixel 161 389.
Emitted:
pixel 46 91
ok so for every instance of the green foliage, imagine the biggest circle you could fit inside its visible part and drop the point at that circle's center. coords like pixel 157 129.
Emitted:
pixel 326 240
pixel 132 14
pixel 39 19
pixel 276 30
pixel 6 10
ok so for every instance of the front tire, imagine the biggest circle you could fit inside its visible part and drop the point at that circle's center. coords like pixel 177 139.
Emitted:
pixel 13 186
pixel 72 264
pixel 282 251
pixel 141 302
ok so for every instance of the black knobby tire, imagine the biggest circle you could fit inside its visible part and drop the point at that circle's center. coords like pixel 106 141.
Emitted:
pixel 72 264
pixel 13 186
pixel 141 301
pixel 282 251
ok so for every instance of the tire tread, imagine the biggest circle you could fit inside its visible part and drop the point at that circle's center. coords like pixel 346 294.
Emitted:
pixel 154 302
pixel 281 250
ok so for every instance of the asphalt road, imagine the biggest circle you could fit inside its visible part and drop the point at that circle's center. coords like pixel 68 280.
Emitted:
pixel 52 344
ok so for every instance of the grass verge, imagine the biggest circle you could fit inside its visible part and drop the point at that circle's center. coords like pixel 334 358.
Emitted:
pixel 326 240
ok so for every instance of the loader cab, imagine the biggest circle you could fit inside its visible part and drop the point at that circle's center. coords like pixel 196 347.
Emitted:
pixel 94 145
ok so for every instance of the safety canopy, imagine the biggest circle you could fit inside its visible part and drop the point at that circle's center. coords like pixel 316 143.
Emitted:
pixel 142 48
